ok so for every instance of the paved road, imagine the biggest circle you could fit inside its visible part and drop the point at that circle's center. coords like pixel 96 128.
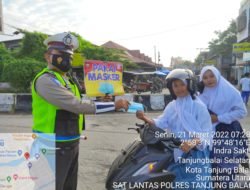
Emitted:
pixel 107 135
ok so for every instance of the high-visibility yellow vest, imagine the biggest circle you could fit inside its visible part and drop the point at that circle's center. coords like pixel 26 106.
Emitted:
pixel 48 118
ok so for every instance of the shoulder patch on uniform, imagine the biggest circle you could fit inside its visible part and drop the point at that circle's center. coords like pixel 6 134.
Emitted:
pixel 55 81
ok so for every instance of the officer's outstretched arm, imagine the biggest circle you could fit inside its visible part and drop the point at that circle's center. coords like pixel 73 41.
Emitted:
pixel 52 91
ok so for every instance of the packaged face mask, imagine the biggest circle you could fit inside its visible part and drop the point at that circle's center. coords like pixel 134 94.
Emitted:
pixel 133 107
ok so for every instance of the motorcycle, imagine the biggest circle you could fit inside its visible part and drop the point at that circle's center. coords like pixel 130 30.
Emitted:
pixel 142 164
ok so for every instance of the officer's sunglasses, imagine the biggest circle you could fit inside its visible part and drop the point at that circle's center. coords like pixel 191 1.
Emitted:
pixel 63 54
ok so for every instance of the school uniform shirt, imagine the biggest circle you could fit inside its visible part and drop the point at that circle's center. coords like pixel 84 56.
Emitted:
pixel 184 117
pixel 223 99
pixel 245 83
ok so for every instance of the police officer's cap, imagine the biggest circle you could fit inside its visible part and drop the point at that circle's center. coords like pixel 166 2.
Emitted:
pixel 65 42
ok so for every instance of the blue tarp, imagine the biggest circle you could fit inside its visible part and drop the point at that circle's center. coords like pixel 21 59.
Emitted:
pixel 152 73
pixel 164 71
pixel 160 73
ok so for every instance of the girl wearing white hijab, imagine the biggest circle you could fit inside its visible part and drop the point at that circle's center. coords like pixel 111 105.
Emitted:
pixel 221 97
pixel 226 107
pixel 186 117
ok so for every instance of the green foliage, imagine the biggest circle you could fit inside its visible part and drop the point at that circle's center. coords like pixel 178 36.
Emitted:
pixel 78 60
pixel 198 60
pixel 5 58
pixel 83 44
pixel 128 65
pixel 93 52
pixel 223 44
pixel 188 63
pixel 32 45
pixel 21 72
pixel 20 66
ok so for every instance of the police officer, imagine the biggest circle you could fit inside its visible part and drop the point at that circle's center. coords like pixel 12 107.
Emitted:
pixel 58 109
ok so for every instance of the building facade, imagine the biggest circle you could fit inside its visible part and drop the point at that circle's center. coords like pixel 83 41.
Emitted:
pixel 144 62
pixel 243 36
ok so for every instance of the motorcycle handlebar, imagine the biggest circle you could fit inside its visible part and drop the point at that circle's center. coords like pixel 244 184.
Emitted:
pixel 176 141
pixel 140 125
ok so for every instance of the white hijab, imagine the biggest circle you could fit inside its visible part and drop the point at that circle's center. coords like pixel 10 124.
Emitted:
pixel 186 111
pixel 222 97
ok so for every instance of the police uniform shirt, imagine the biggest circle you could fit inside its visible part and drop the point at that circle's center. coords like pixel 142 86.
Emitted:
pixel 48 87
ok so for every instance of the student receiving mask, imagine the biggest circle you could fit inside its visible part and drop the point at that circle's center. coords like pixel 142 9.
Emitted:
pixel 186 117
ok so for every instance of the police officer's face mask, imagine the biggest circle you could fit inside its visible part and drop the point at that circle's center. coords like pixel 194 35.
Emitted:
pixel 62 62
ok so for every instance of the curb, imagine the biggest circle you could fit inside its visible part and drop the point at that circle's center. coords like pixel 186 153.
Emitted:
pixel 22 103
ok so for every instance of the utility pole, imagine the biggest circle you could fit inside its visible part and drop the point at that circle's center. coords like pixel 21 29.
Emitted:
pixel 203 58
pixel 18 30
pixel 1 17
pixel 155 55
pixel 158 60
pixel 159 57
pixel 1 24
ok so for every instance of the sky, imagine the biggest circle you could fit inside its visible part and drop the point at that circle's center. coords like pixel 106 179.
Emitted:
pixel 172 27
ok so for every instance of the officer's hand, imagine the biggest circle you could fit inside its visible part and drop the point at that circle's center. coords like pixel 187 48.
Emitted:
pixel 107 98
pixel 121 104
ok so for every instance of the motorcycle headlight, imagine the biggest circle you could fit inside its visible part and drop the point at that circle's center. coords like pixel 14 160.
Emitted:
pixel 146 169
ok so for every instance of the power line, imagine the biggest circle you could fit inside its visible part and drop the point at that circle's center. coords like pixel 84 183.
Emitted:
pixel 149 34
pixel 165 31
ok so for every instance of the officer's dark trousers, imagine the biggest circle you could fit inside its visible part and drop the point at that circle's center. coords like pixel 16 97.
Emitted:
pixel 67 165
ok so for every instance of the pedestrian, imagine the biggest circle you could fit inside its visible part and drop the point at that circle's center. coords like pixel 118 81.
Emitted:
pixel 245 88
pixel 226 107
pixel 187 118
pixel 57 107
